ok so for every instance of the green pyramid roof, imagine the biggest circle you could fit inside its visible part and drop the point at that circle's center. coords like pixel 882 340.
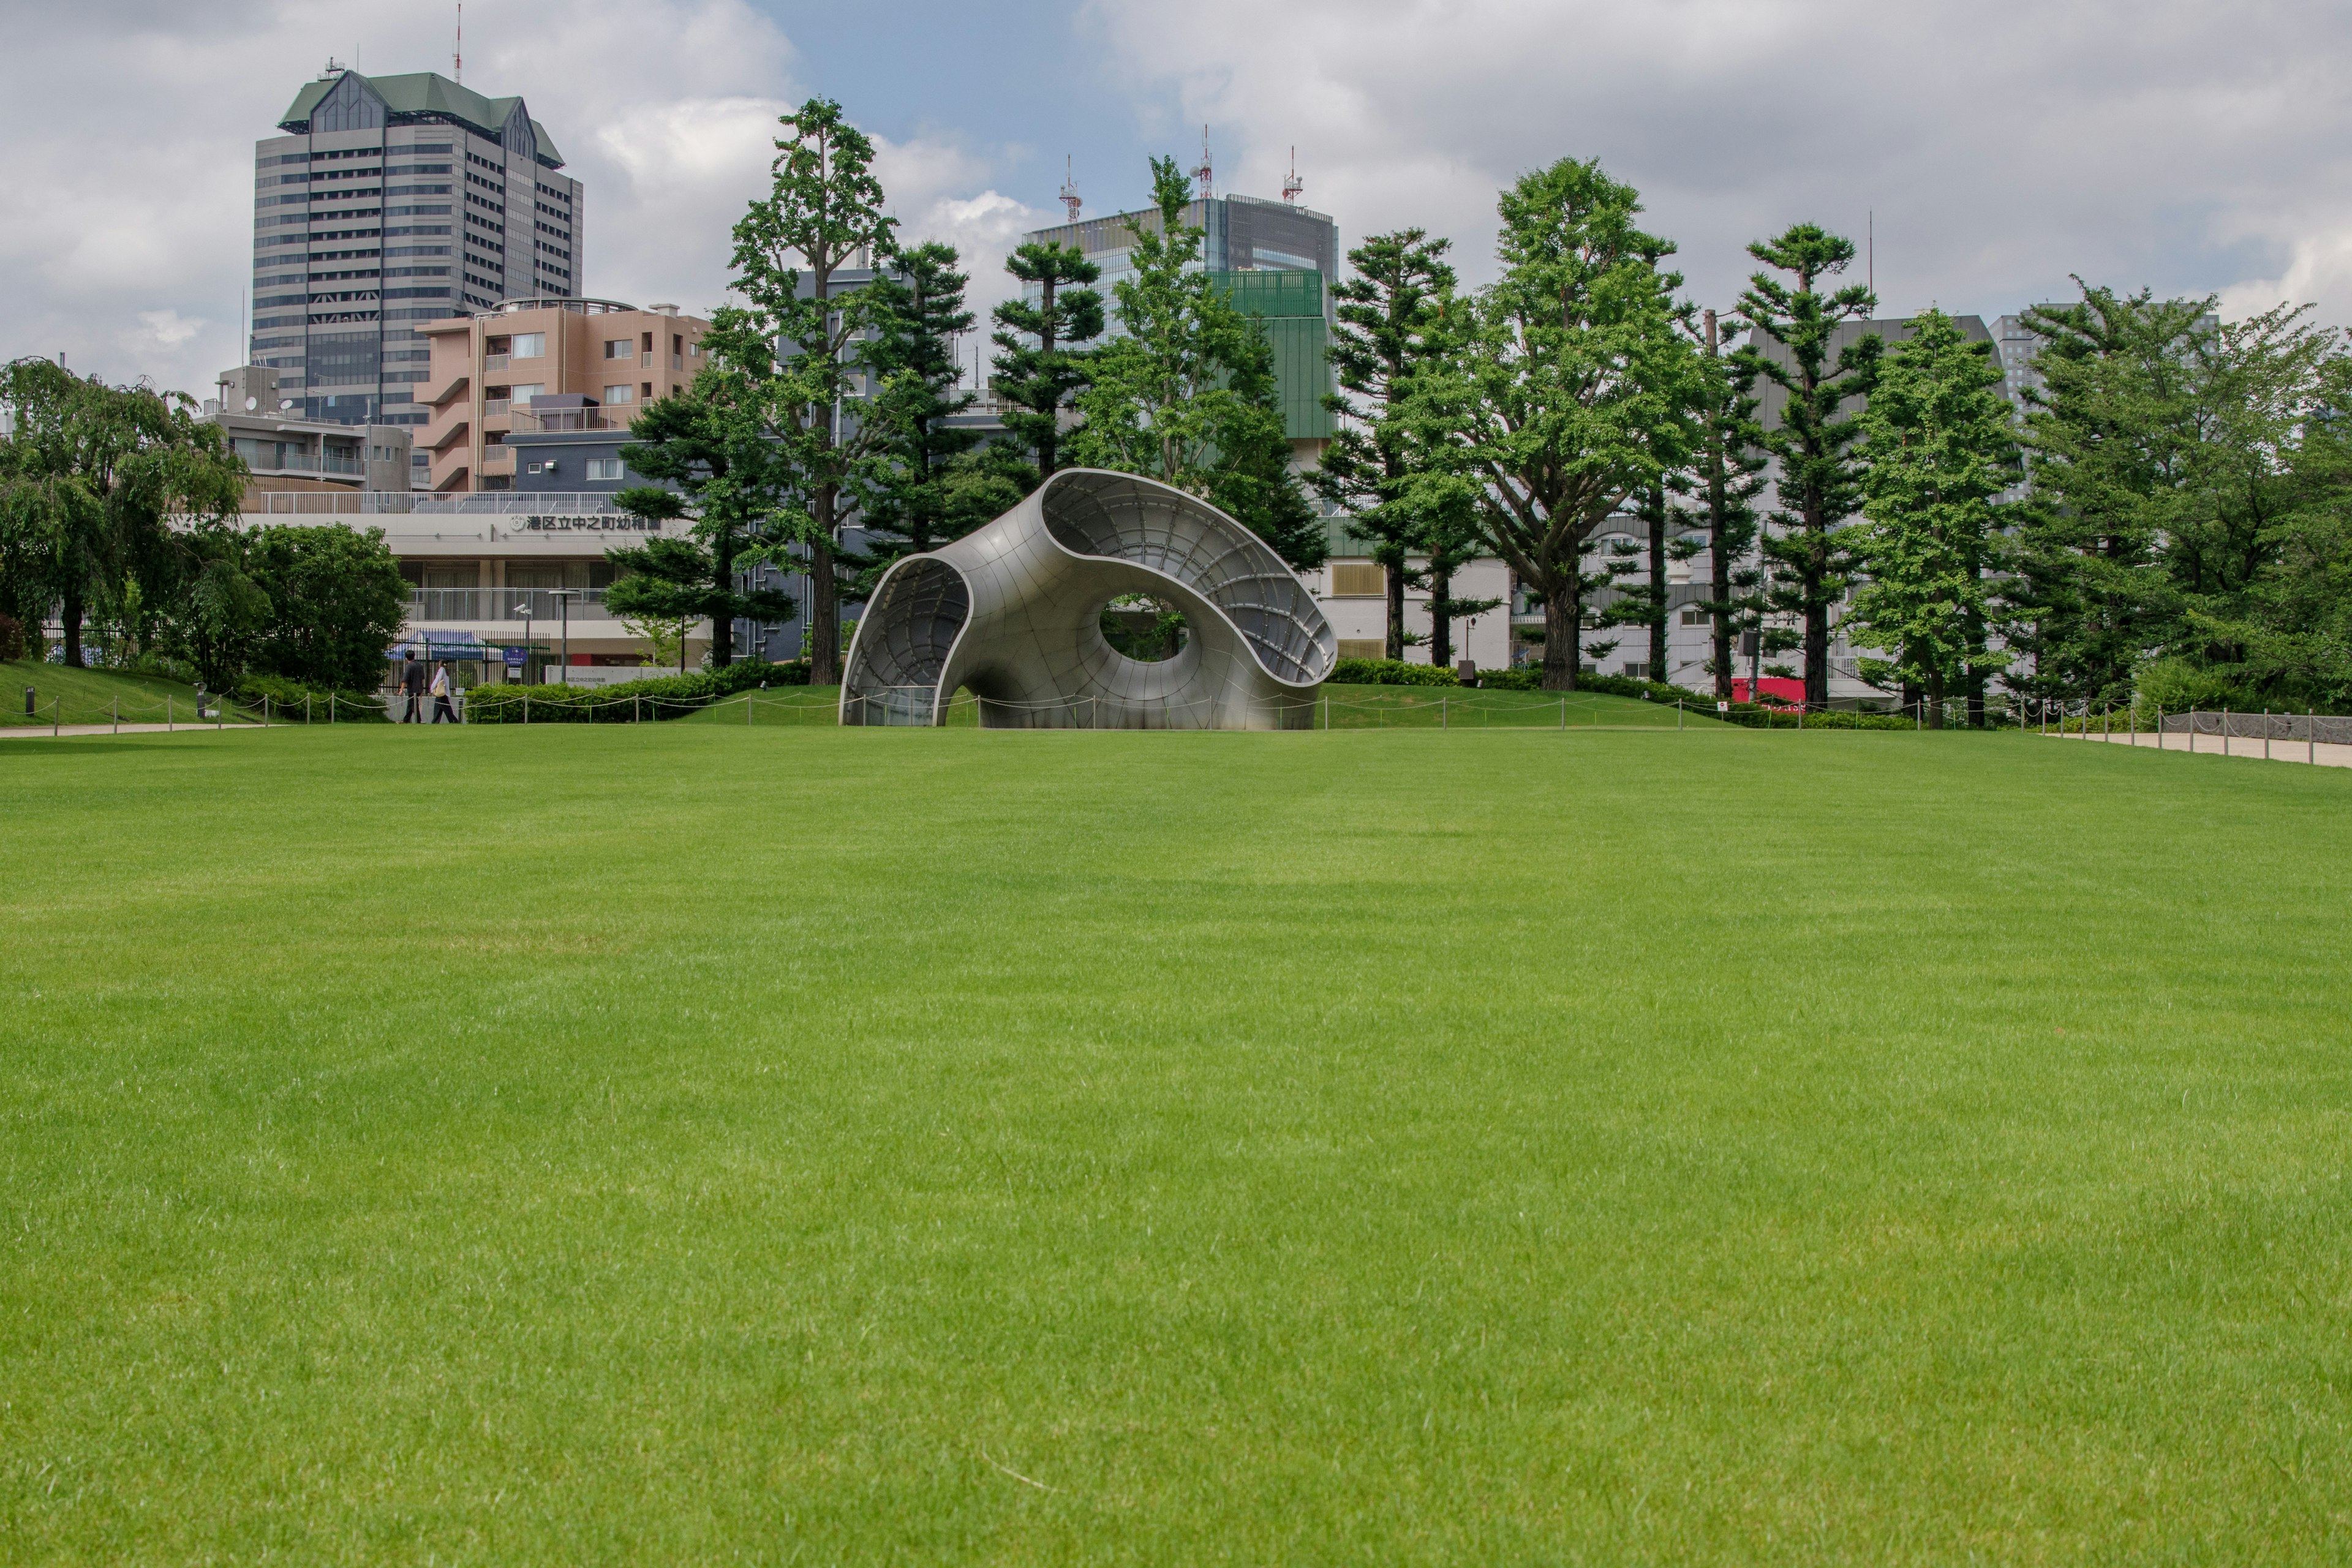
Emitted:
pixel 422 93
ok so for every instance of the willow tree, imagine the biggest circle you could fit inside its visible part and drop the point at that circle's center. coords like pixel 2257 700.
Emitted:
pixel 1574 388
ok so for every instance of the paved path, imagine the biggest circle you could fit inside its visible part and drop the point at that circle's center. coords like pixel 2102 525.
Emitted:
pixel 12 731
pixel 2327 754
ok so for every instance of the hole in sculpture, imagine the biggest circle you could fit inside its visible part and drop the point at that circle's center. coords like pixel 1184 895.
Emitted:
pixel 1143 629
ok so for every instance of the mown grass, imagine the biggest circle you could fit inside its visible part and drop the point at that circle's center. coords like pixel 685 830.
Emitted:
pixel 662 1143
pixel 94 696
pixel 1335 707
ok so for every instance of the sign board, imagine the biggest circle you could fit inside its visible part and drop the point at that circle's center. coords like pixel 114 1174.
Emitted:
pixel 1719 707
pixel 514 659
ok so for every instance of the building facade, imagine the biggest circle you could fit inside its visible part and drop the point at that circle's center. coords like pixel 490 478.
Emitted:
pixel 287 453
pixel 388 202
pixel 538 394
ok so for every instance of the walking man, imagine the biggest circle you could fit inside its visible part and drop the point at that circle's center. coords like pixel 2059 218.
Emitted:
pixel 412 682
pixel 442 712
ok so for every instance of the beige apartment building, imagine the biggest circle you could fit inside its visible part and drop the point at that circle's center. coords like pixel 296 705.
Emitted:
pixel 545 365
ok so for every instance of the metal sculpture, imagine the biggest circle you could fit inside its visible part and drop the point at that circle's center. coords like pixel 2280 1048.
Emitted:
pixel 1013 612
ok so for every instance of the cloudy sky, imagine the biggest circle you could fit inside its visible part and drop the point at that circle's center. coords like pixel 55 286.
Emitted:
pixel 2001 145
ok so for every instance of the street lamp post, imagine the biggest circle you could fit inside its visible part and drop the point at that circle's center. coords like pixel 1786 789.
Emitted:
pixel 565 596
pixel 524 610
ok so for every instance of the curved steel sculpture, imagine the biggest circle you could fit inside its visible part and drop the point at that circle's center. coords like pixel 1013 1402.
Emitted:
pixel 1013 612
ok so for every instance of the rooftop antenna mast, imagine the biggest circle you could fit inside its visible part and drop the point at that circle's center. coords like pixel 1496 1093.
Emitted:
pixel 1203 175
pixel 1292 186
pixel 1870 266
pixel 457 56
pixel 1069 189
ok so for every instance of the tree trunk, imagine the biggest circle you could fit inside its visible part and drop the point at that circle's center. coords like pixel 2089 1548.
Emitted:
pixel 825 606
pixel 1817 613
pixel 1396 611
pixel 722 624
pixel 1935 701
pixel 69 612
pixel 1049 444
pixel 1659 613
pixel 1441 623
pixel 1563 637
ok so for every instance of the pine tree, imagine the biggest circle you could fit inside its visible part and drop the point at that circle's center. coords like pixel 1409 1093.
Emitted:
pixel 1188 397
pixel 927 480
pixel 1573 391
pixel 1819 482
pixel 802 338
pixel 1726 474
pixel 712 452
pixel 1391 327
pixel 1040 367
pixel 1940 444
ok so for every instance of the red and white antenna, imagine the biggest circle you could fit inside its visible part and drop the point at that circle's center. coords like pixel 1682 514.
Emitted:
pixel 1292 186
pixel 1069 190
pixel 1204 175
pixel 457 55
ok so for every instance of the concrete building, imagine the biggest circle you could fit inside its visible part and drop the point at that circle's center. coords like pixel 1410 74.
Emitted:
pixel 538 394
pixel 290 454
pixel 388 202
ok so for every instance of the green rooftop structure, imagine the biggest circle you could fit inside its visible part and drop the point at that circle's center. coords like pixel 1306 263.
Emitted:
pixel 385 202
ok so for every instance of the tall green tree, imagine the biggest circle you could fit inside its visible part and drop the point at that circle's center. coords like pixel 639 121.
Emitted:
pixel 1940 444
pixel 1726 475
pixel 1391 328
pixel 1574 389
pixel 2111 431
pixel 336 602
pixel 2175 461
pixel 716 456
pixel 1040 364
pixel 92 478
pixel 927 480
pixel 803 337
pixel 1188 395
pixel 1813 437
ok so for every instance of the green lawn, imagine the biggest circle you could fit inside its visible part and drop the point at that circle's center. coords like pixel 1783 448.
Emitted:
pixel 1338 708
pixel 93 696
pixel 681 1143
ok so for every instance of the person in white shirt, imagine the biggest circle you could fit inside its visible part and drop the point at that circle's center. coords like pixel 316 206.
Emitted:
pixel 441 709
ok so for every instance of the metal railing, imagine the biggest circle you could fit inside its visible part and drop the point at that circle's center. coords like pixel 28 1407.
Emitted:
pixel 495 407
pixel 430 503
pixel 540 606
pixel 546 419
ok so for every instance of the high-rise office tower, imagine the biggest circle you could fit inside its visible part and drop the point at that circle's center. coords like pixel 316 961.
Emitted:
pixel 390 201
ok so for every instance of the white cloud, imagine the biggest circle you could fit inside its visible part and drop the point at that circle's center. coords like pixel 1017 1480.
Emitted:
pixel 129 242
pixel 2001 144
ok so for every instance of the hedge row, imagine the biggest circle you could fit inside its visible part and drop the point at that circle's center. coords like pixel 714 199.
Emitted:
pixel 660 697
pixel 1388 673
pixel 293 702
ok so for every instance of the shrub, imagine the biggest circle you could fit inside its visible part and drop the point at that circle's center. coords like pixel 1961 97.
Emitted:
pixel 661 697
pixel 2178 686
pixel 12 638
pixel 293 702
pixel 1766 716
pixel 1388 673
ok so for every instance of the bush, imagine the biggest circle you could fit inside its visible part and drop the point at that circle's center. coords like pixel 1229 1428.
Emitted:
pixel 293 702
pixel 661 697
pixel 1767 716
pixel 12 638
pixel 2178 686
pixel 1388 673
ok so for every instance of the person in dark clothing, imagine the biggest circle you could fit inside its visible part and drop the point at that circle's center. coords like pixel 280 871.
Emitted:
pixel 412 681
